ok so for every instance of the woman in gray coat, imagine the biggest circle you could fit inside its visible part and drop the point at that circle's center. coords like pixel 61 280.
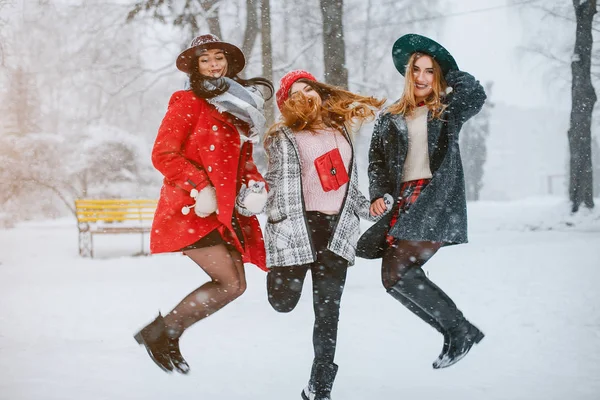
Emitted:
pixel 415 155
pixel 313 207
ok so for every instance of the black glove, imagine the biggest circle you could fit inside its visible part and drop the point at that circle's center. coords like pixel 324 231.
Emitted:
pixel 459 79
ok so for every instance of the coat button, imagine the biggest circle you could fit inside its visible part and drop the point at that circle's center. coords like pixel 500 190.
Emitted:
pixel 212 147
pixel 214 128
pixel 209 168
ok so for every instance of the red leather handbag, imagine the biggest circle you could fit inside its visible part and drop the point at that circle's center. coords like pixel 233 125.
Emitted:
pixel 331 170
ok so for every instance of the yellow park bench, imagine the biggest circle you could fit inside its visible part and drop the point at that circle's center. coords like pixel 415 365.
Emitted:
pixel 112 216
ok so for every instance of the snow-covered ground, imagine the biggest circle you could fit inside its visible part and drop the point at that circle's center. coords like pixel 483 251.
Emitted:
pixel 529 278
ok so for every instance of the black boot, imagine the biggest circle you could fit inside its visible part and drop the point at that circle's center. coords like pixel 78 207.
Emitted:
pixel 433 306
pixel 415 309
pixel 154 338
pixel 462 338
pixel 176 358
pixel 321 380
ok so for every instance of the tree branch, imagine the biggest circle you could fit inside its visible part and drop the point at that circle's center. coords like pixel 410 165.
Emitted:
pixel 287 65
pixel 55 190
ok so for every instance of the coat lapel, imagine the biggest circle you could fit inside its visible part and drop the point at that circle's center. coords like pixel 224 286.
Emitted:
pixel 433 134
pixel 290 135
pixel 434 129
pixel 399 148
pixel 349 139
pixel 401 130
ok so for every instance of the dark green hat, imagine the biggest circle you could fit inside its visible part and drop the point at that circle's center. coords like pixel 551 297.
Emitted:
pixel 413 43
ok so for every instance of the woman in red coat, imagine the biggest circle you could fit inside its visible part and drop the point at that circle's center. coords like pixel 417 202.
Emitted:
pixel 211 190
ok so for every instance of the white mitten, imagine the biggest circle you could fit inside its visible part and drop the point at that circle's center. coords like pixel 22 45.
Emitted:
pixel 206 202
pixel 389 202
pixel 253 198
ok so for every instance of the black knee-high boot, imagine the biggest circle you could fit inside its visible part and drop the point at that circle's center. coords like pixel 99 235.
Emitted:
pixel 418 311
pixel 426 300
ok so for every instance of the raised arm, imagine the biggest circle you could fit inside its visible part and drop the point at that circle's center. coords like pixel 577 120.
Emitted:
pixel 467 97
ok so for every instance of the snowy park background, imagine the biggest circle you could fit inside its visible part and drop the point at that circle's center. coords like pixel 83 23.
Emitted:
pixel 82 93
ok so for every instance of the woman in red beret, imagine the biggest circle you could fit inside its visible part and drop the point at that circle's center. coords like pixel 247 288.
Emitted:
pixel 211 190
pixel 313 207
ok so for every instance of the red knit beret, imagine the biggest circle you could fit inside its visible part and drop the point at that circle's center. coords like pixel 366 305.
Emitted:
pixel 286 82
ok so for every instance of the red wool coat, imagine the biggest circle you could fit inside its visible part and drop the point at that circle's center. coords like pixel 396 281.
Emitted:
pixel 197 146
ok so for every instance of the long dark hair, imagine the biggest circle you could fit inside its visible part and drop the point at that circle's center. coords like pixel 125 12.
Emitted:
pixel 197 82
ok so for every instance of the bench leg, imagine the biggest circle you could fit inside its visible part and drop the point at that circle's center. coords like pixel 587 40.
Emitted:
pixel 85 244
pixel 143 251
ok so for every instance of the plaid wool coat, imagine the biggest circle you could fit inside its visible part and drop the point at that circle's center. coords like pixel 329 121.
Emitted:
pixel 287 240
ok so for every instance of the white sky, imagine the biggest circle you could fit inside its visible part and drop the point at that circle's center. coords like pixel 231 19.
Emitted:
pixel 486 44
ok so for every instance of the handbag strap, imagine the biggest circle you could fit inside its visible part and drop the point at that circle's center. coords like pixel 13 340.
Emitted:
pixel 337 146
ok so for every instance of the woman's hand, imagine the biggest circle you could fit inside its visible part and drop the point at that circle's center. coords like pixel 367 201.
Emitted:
pixel 381 205
pixel 252 199
pixel 205 202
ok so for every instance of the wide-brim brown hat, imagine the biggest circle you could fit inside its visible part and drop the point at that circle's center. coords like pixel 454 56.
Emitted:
pixel 235 58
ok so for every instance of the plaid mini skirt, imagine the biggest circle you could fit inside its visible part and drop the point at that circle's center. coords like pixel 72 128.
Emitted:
pixel 409 193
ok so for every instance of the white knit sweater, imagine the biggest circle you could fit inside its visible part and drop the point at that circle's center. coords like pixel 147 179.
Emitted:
pixel 416 165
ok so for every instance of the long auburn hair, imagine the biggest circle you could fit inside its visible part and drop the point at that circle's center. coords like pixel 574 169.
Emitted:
pixel 197 81
pixel 407 104
pixel 338 109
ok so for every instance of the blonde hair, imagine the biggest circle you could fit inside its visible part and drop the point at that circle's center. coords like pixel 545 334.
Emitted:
pixel 338 109
pixel 407 103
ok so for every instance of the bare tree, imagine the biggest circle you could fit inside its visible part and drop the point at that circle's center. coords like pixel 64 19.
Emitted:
pixel 252 29
pixel 473 146
pixel 3 4
pixel 194 12
pixel 190 16
pixel 596 164
pixel 559 54
pixel 583 100
pixel 369 36
pixel 334 48
pixel 267 54
pixel 22 111
pixel 65 93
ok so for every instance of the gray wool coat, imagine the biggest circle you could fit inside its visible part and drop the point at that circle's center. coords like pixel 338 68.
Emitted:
pixel 440 212
pixel 287 240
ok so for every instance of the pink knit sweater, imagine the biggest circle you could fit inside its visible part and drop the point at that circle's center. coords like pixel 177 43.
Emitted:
pixel 312 145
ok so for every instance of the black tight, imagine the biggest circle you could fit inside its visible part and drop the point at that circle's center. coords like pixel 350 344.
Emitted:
pixel 284 287
pixel 228 281
pixel 401 256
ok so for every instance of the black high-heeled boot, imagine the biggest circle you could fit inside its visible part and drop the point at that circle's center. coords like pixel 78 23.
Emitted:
pixel 154 337
pixel 432 305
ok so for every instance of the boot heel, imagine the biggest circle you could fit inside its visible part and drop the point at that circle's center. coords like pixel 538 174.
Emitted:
pixel 138 338
pixel 479 337
pixel 305 394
